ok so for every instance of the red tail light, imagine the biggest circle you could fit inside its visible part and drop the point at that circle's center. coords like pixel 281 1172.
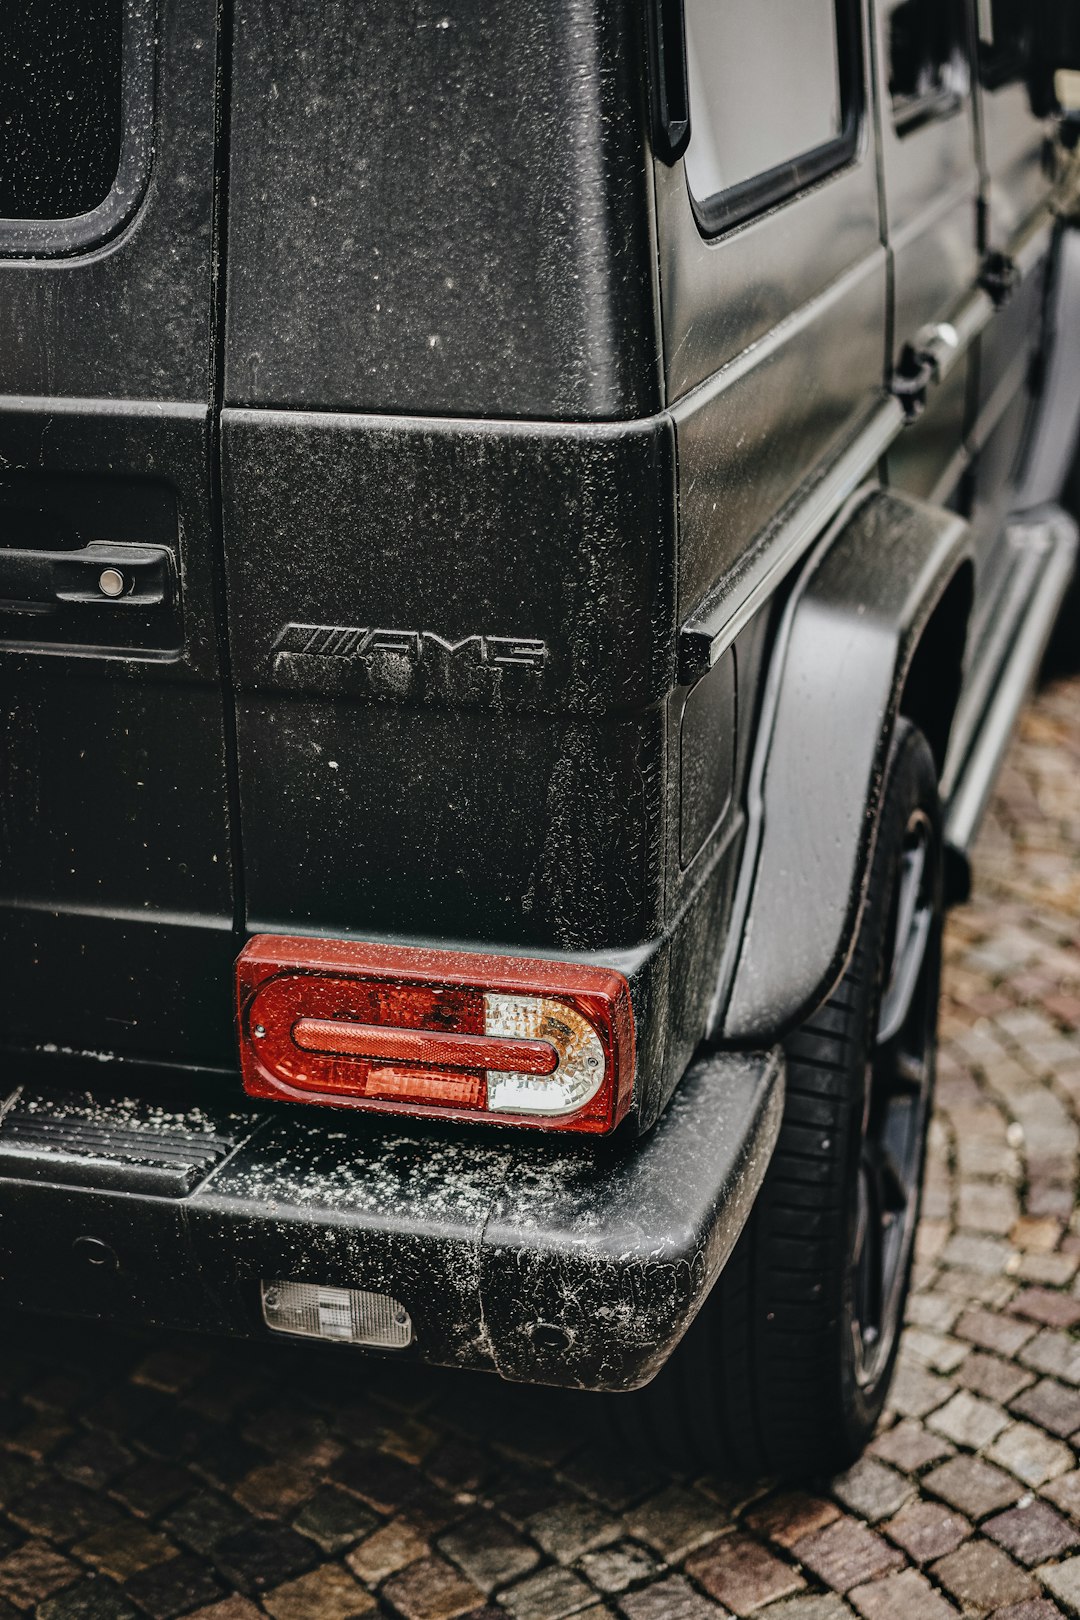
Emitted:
pixel 507 1039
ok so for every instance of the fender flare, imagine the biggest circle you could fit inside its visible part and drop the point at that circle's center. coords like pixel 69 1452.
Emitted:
pixel 846 643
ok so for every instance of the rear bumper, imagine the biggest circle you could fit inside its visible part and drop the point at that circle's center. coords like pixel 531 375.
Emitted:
pixel 116 1209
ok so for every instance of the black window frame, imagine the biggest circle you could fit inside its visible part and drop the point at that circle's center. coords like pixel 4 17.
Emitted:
pixel 748 198
pixel 57 238
pixel 935 105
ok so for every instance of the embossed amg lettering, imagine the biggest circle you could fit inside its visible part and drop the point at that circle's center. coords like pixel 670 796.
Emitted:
pixel 419 646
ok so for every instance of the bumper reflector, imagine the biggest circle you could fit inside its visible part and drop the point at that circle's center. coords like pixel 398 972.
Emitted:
pixel 347 1315
pixel 506 1039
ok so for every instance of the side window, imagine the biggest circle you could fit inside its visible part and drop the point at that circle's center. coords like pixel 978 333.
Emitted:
pixel 1006 29
pixel 75 93
pixel 774 100
pixel 928 60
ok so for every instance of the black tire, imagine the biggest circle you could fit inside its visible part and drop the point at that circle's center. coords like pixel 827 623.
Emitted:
pixel 785 1371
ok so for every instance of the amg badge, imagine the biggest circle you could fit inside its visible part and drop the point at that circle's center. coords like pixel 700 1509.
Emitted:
pixel 417 646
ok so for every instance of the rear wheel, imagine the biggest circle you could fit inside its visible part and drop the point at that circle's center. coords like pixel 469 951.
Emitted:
pixel 786 1369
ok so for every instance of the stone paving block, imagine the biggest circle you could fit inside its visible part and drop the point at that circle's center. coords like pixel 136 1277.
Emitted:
pixel 926 1530
pixel 968 1420
pixel 573 1528
pixel 787 1516
pixel 674 1599
pixel 385 1483
pixel 915 1391
pixel 972 1485
pixel 982 1578
pixel 989 1331
pixel 174 1587
pixel 812 1606
pixel 741 1574
pixel 233 1608
pixel 333 1519
pixel 62 1511
pixel 1051 1405
pixel 987 1207
pixel 488 1551
pixel 901 1597
pixel 847 1554
pixel 1064 1492
pixel 124 1549
pixel 613 1569
pixel 153 1487
pixel 910 1446
pixel 1055 1270
pixel 1031 1455
pixel 938 1351
pixel 990 1376
pixel 92 1459
pixel 871 1490
pixel 1063 1581
pixel 390 1548
pixel 275 1489
pixel 1030 1609
pixel 1032 1532
pixel 551 1595
pixel 262 1557
pixel 1054 1353
pixel 205 1519
pixel 611 1476
pixel 931 1310
pixel 327 1593
pixel 34 1572
pixel 431 1590
pixel 95 1599
pixel 674 1522
pixel 1047 1307
pixel 1036 1234
pixel 974 1253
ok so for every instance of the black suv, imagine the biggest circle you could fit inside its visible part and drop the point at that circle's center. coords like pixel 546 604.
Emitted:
pixel 524 530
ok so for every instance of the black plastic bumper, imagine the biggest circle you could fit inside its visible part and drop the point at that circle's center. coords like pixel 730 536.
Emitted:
pixel 113 1208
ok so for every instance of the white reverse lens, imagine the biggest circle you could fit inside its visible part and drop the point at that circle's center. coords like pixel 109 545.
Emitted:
pixel 580 1072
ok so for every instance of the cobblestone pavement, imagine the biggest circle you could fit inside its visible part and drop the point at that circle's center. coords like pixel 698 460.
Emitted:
pixel 167 1476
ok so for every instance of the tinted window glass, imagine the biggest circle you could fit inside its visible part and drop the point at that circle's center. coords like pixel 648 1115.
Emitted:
pixel 1006 28
pixel 60 119
pixel 765 88
pixel 927 59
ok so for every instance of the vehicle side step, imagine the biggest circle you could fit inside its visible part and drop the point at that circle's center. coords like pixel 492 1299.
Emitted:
pixel 1049 536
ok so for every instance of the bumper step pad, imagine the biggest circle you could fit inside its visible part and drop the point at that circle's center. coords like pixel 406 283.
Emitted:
pixel 122 1145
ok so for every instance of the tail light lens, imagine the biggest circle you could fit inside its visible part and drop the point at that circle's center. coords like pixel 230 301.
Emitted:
pixel 507 1039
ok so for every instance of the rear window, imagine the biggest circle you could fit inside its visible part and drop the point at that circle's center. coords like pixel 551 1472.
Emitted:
pixel 1006 36
pixel 60 106
pixel 928 63
pixel 772 100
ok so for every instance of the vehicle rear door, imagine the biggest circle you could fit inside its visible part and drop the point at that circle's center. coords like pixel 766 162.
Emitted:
pixel 931 195
pixel 115 869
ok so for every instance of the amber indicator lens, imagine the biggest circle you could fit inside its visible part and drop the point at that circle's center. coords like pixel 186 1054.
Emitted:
pixel 508 1039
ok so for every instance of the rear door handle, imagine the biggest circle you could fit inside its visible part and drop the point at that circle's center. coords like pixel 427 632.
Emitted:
pixel 102 572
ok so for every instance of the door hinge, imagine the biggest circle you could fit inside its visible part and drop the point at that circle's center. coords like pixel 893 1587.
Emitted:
pixel 916 370
pixel 999 277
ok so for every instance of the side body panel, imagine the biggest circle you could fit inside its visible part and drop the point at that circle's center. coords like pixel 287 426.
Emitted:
pixel 441 208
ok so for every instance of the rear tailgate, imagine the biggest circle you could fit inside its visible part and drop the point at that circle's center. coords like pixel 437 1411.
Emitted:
pixel 116 932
